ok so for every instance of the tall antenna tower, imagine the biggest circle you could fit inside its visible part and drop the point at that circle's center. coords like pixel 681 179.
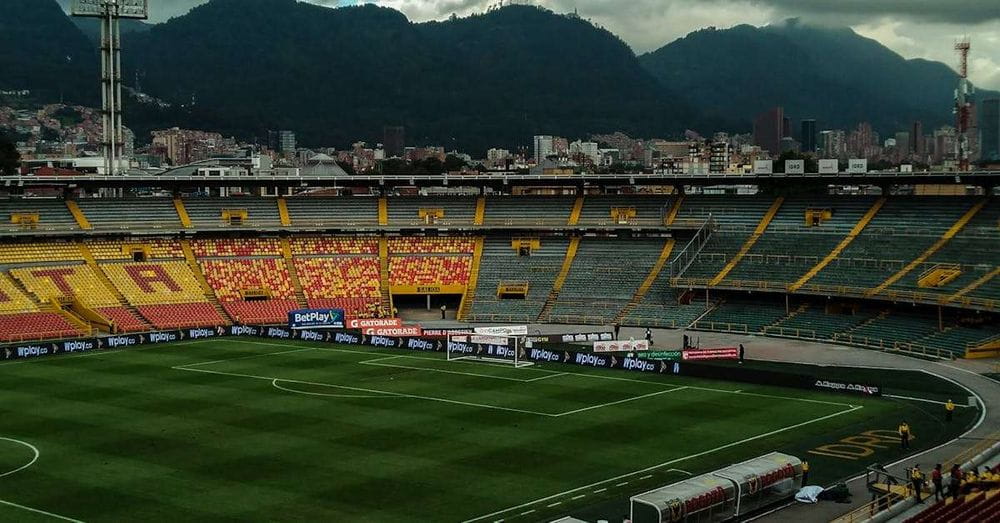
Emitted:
pixel 963 106
pixel 110 12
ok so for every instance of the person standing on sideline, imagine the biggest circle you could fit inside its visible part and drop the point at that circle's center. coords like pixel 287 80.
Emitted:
pixel 618 329
pixel 955 481
pixel 743 353
pixel 649 336
pixel 949 409
pixel 904 435
pixel 937 481
pixel 805 473
pixel 917 478
pixel 444 308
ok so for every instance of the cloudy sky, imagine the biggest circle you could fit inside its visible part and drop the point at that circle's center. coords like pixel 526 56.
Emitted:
pixel 912 28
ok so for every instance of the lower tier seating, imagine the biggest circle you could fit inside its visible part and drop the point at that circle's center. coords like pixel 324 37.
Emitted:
pixel 35 326
pixel 266 311
pixel 183 315
pixel 123 319
pixel 353 307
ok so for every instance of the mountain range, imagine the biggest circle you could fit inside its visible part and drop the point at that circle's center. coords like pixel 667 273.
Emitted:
pixel 495 79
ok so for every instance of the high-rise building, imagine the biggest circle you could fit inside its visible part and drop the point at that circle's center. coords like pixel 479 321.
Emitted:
pixel 544 147
pixel 286 142
pixel 834 144
pixel 808 136
pixel 917 140
pixel 902 146
pixel 769 129
pixel 989 127
pixel 394 141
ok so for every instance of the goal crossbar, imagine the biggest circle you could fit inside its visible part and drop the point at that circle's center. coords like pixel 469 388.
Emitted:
pixel 497 349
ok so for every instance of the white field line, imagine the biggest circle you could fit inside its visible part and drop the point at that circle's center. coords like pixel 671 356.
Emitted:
pixel 664 464
pixel 37 511
pixel 274 383
pixel 925 400
pixel 245 357
pixel 626 400
pixel 31 447
pixel 723 391
pixel 371 391
pixel 376 363
pixel 556 375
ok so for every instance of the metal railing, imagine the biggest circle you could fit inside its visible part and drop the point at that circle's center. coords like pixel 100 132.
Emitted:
pixel 687 256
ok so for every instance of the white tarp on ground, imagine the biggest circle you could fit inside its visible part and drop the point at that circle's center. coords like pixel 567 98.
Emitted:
pixel 808 494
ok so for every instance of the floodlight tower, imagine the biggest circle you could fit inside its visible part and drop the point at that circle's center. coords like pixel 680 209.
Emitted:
pixel 110 12
pixel 963 106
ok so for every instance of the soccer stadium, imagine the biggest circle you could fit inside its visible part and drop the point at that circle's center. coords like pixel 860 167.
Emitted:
pixel 490 363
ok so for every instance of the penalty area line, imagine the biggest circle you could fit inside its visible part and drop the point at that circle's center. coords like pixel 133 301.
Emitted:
pixel 39 511
pixel 538 501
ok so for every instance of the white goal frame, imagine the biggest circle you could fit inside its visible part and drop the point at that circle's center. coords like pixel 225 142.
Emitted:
pixel 515 344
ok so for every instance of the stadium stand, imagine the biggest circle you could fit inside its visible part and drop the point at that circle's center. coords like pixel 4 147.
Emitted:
pixel 349 282
pixel 551 211
pixel 310 211
pixel 166 294
pixel 158 248
pixel 424 210
pixel 308 245
pixel 52 215
pixel 208 213
pixel 144 214
pixel 501 263
pixel 36 253
pixel 430 245
pixel 252 290
pixel 236 247
pixel 648 209
pixel 429 270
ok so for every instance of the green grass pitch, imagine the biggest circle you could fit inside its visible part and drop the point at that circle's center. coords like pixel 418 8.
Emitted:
pixel 237 430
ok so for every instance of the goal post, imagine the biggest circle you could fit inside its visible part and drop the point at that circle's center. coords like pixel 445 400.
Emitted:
pixel 488 348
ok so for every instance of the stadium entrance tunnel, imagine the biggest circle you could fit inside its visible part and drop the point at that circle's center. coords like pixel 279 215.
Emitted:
pixel 426 307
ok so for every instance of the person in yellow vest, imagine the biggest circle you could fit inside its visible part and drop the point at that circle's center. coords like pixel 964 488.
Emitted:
pixel 805 473
pixel 949 409
pixel 904 435
pixel 917 478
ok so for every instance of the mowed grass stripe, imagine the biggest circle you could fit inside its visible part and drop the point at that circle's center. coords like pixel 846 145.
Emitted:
pixel 126 437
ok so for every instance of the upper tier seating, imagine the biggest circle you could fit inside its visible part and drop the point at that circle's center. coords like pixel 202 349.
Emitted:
pixel 528 210
pixel 429 270
pixel 159 248
pixel 309 245
pixel 621 272
pixel 431 245
pixel 35 326
pixel 53 215
pixel 155 283
pixel 458 210
pixel 12 299
pixel 333 212
pixel 501 263
pixel 742 213
pixel 649 209
pixel 27 253
pixel 206 213
pixel 66 281
pixel 106 214
pixel 229 277
pixel 236 247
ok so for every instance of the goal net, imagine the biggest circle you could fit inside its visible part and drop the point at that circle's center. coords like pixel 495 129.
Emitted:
pixel 500 349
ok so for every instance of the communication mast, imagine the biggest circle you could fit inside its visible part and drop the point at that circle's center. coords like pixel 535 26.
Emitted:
pixel 963 106
pixel 110 12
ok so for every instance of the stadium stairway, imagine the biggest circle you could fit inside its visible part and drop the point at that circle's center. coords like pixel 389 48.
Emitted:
pixel 949 234
pixel 286 219
pixel 383 211
pixel 470 288
pixel 78 215
pixel 643 289
pixel 383 267
pixel 574 215
pixel 129 318
pixel 202 282
pixel 672 215
pixel 480 211
pixel 182 213
pixel 972 286
pixel 855 231
pixel 574 245
pixel 757 233
pixel 293 274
